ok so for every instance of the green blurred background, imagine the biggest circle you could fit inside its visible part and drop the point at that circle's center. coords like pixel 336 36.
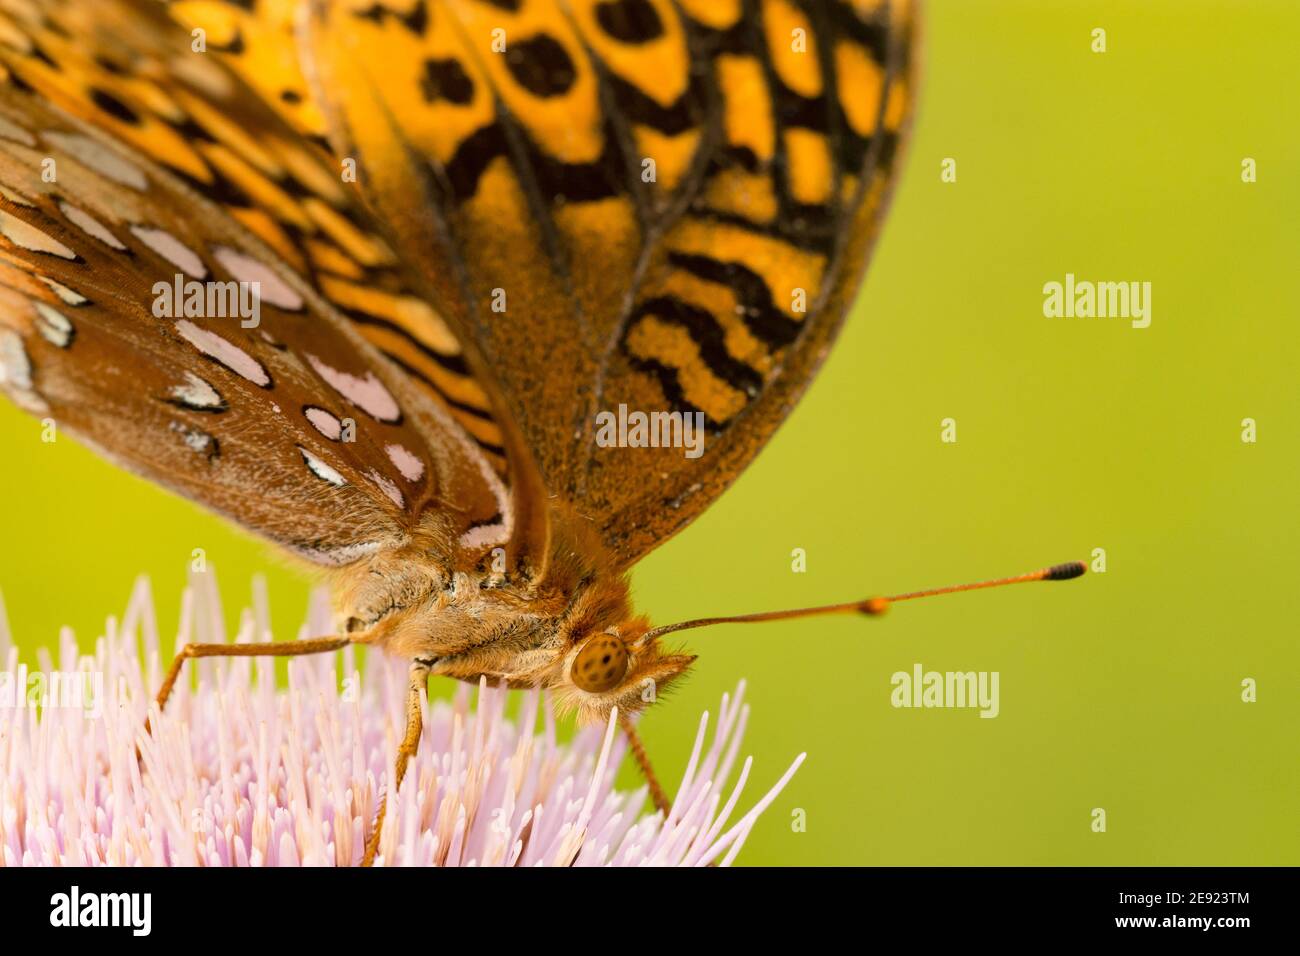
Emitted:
pixel 1120 691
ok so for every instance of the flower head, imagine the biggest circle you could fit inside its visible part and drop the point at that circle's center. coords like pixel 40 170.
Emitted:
pixel 239 772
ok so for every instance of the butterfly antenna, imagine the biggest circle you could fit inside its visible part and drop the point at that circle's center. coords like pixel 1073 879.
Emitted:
pixel 879 605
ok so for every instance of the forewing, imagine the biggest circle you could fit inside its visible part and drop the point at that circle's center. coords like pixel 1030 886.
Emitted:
pixel 295 428
pixel 639 203
pixel 220 103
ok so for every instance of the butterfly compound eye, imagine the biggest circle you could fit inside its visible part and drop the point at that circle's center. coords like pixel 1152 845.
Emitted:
pixel 601 664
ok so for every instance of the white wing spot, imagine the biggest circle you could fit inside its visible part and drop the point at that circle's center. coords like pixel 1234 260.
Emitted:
pixel 197 393
pixel 53 325
pixel 271 287
pixel 69 296
pixel 321 470
pixel 16 373
pixel 387 487
pixel 16 198
pixel 409 465
pixel 367 394
pixel 231 356
pixel 13 131
pixel 486 534
pixel 15 367
pixel 324 422
pixel 99 158
pixel 493 533
pixel 91 226
pixel 27 236
pixel 172 249
pixel 196 440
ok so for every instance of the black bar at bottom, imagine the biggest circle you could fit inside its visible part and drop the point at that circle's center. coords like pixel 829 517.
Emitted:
pixel 523 908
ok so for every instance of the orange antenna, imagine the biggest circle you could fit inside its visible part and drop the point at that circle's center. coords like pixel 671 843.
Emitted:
pixel 878 605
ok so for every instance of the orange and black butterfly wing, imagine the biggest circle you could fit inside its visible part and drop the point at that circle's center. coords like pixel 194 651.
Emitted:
pixel 249 140
pixel 285 420
pixel 664 206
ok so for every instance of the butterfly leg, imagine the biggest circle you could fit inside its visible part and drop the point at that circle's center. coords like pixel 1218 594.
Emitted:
pixel 319 645
pixel 418 690
pixel 660 798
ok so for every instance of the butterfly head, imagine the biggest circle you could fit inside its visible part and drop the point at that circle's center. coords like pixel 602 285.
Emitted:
pixel 623 666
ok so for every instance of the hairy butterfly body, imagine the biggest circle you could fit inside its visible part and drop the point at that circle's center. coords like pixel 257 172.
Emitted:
pixel 480 232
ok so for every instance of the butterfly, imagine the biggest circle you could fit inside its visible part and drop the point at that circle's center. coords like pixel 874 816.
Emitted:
pixel 532 282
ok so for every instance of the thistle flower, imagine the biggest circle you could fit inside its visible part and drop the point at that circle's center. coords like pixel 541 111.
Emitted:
pixel 242 773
